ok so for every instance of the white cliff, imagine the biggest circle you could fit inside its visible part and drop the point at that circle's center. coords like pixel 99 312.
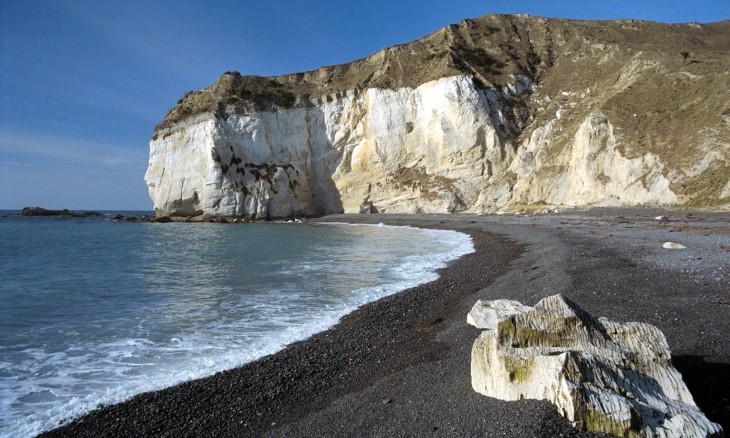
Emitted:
pixel 456 143
pixel 434 148
pixel 403 150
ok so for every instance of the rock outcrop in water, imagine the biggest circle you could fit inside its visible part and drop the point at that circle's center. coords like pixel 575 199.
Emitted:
pixel 602 375
pixel 497 113
pixel 38 211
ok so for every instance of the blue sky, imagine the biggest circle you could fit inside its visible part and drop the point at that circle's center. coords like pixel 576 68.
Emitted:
pixel 83 83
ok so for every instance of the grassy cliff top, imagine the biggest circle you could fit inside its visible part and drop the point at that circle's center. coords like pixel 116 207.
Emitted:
pixel 491 48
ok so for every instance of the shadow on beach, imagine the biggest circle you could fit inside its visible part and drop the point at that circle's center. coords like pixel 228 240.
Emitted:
pixel 709 384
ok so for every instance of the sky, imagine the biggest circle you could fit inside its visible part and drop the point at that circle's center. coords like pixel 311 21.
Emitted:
pixel 83 83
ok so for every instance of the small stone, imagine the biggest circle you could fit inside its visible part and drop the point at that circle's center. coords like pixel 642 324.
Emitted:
pixel 673 245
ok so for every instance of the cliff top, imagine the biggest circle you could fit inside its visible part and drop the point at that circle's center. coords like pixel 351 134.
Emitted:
pixel 491 49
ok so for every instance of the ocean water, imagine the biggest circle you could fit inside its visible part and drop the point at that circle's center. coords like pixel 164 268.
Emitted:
pixel 94 311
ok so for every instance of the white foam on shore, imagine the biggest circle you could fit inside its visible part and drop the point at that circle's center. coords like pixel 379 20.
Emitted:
pixel 75 380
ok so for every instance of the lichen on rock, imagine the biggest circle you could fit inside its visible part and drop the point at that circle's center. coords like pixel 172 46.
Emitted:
pixel 601 375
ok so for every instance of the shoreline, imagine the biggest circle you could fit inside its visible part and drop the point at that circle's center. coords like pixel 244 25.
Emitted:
pixel 400 365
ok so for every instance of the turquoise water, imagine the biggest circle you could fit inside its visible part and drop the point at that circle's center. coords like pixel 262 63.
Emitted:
pixel 94 311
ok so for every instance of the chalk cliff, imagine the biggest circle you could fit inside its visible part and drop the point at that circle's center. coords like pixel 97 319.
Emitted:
pixel 496 113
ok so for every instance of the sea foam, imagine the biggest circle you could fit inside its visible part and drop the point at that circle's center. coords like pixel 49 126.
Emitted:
pixel 155 305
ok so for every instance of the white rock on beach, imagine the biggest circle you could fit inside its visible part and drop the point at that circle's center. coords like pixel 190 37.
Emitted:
pixel 673 245
pixel 602 375
pixel 486 314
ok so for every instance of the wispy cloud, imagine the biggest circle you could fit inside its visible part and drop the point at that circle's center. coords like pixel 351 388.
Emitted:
pixel 26 147
pixel 64 172
pixel 99 96
pixel 116 161
pixel 93 94
pixel 20 163
pixel 178 43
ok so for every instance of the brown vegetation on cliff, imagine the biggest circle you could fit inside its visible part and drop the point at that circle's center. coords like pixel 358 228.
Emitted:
pixel 664 88
pixel 557 54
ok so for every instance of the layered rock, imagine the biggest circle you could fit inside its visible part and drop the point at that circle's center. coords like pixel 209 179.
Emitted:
pixel 602 375
pixel 498 113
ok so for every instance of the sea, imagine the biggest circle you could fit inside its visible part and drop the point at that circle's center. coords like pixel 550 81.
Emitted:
pixel 94 311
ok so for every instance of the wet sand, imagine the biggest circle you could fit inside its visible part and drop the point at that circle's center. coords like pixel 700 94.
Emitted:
pixel 400 366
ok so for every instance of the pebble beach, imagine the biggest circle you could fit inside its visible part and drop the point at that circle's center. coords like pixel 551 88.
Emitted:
pixel 400 366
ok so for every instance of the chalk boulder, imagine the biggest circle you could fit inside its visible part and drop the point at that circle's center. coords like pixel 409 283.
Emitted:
pixel 602 375
pixel 487 314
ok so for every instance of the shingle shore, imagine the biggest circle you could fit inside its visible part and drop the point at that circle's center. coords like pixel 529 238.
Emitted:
pixel 400 366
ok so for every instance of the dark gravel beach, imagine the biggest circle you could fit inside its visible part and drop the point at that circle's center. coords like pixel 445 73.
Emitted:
pixel 400 366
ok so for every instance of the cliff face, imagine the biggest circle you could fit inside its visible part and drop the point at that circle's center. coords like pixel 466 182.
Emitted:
pixel 498 113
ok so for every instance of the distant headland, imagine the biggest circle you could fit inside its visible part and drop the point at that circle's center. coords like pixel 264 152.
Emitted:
pixel 38 211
